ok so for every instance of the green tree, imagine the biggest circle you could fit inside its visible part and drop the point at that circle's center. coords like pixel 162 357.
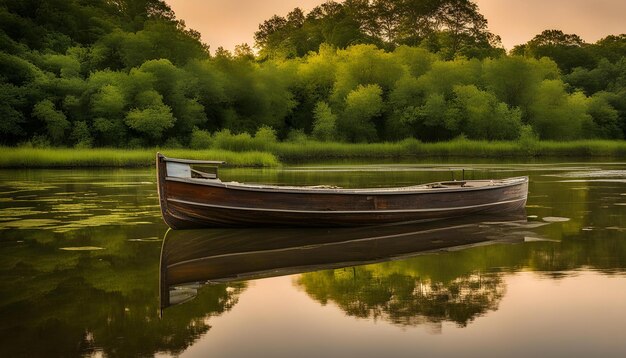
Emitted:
pixel 81 135
pixel 606 76
pixel 605 117
pixel 110 131
pixel 417 21
pixel 313 79
pixel 463 31
pixel 266 135
pixel 337 25
pixel 159 39
pixel 484 117
pixel 200 139
pixel 164 79
pixel 18 71
pixel 618 101
pixel 363 105
pixel 62 65
pixel 387 20
pixel 427 119
pixel 555 114
pixel 244 51
pixel 56 122
pixel 151 122
pixel 364 65
pixel 272 83
pixel 515 79
pixel 205 83
pixel 74 108
pixel 567 50
pixel 270 36
pixel 325 124
pixel 612 48
pixel 406 118
pixel 418 60
pixel 444 75
pixel 108 102
pixel 436 119
pixel 12 118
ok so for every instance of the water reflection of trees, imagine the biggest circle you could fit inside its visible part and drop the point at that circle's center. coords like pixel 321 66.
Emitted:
pixel 72 303
pixel 405 299
pixel 56 303
pixel 594 235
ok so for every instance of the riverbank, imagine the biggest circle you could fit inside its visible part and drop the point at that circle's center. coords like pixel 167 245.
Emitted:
pixel 274 153
pixel 122 158
pixel 310 151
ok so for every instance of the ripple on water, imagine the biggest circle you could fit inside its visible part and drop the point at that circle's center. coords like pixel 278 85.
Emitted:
pixel 607 180
pixel 592 174
pixel 29 223
pixel 20 211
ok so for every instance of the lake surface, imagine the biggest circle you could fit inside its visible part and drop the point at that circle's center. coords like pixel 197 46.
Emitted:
pixel 80 255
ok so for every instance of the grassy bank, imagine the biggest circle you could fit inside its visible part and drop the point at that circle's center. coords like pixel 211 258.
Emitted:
pixel 66 157
pixel 311 150
pixel 297 152
pixel 264 154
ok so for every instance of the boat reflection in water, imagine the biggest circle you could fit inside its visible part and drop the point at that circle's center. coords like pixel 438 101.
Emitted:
pixel 192 258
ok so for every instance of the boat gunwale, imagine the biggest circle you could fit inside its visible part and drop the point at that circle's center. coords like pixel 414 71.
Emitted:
pixel 407 190
pixel 190 161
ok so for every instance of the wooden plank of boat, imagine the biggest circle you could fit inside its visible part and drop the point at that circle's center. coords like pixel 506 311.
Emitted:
pixel 191 198
pixel 220 255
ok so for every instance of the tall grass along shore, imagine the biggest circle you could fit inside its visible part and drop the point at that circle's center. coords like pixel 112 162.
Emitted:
pixel 65 157
pixel 264 154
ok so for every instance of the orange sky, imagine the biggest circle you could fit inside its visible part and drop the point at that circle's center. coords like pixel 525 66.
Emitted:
pixel 230 22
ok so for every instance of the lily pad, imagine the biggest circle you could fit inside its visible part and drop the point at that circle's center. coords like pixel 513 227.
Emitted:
pixel 537 239
pixel 81 248
pixel 555 219
pixel 146 239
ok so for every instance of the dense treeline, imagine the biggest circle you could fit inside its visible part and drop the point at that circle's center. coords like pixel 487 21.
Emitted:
pixel 127 73
pixel 449 27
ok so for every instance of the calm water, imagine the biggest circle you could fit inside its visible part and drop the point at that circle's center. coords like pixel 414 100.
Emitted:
pixel 80 272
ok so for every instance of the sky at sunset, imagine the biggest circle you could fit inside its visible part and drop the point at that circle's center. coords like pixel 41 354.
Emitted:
pixel 230 22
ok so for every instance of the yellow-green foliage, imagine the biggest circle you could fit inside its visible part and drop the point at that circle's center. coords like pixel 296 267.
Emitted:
pixel 62 157
pixel 311 150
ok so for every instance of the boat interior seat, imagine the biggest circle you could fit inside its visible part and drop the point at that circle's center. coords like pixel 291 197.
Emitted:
pixel 199 174
pixel 449 184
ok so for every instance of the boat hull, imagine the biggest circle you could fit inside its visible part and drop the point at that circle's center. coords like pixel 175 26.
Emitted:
pixel 187 204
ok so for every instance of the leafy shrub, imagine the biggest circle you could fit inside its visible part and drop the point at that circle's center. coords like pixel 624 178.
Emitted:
pixel 200 139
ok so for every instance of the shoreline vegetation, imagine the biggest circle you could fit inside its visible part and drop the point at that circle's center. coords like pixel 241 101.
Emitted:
pixel 356 80
pixel 278 153
pixel 129 74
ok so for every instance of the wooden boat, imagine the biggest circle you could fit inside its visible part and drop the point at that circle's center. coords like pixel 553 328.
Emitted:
pixel 194 198
pixel 191 258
